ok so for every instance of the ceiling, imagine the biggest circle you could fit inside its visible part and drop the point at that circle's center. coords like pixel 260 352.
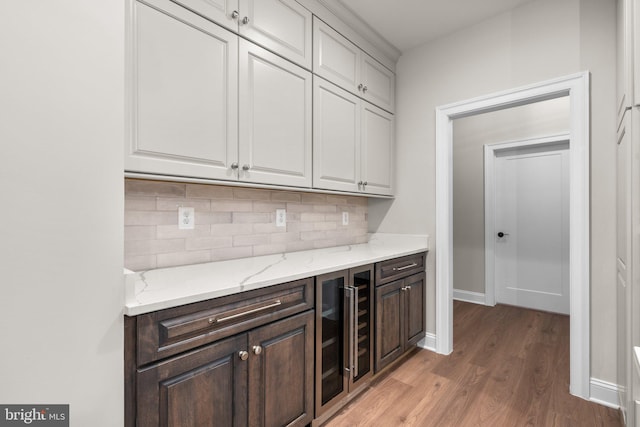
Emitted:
pixel 410 23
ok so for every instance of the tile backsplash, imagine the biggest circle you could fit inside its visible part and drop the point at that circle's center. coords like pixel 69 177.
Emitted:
pixel 231 222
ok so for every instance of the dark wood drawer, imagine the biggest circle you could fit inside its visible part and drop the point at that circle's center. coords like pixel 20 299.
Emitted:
pixel 168 332
pixel 397 268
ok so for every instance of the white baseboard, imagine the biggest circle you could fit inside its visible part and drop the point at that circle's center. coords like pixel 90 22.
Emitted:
pixel 604 393
pixel 468 296
pixel 428 342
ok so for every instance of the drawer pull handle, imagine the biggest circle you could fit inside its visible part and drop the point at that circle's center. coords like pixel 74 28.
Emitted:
pixel 246 313
pixel 413 264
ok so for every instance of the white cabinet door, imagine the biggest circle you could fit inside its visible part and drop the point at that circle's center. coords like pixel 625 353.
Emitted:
pixel 336 137
pixel 220 11
pixel 377 150
pixel 340 61
pixel 282 26
pixel 378 83
pixel 275 119
pixel 335 58
pixel 184 97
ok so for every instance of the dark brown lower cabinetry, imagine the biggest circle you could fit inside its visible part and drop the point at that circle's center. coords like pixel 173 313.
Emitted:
pixel 260 378
pixel 256 358
pixel 400 318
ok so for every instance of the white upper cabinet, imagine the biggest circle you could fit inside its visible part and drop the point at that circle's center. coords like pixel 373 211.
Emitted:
pixel 206 104
pixel 340 61
pixel 377 152
pixel 184 94
pixel 275 119
pixel 336 138
pixel 352 142
pixel 282 26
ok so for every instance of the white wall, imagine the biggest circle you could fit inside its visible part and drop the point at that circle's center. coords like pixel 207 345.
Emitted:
pixel 535 42
pixel 470 134
pixel 61 222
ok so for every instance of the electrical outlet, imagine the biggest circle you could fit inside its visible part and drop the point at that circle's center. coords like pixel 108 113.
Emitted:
pixel 186 218
pixel 281 217
pixel 345 218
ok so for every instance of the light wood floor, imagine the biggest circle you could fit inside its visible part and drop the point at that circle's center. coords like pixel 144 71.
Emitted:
pixel 509 367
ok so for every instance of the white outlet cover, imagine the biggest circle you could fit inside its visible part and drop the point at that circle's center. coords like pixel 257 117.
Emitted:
pixel 345 218
pixel 281 217
pixel 186 218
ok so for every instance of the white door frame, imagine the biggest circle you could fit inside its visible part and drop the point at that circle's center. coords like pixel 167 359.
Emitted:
pixel 575 86
pixel 490 151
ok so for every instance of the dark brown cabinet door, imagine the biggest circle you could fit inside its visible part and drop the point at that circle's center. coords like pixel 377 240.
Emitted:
pixel 281 372
pixel 414 309
pixel 389 323
pixel 205 387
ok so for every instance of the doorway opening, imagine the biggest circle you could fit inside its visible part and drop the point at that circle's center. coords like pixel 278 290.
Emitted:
pixel 575 87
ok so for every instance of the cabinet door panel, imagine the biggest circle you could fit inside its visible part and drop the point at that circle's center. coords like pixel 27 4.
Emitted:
pixel 204 387
pixel 281 375
pixel 336 138
pixel 275 117
pixel 184 106
pixel 377 150
pixel 389 323
pixel 414 309
pixel 219 11
pixel 380 83
pixel 335 58
pixel 282 26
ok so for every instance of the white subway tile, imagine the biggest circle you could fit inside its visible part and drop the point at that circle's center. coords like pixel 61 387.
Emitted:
pixel 314 198
pixel 209 242
pixel 324 226
pixel 251 194
pixel 269 249
pixel 154 188
pixel 183 258
pixel 150 218
pixel 139 203
pixel 312 217
pixel 150 247
pixel 173 203
pixel 140 232
pixel 312 235
pixel 205 191
pixel 285 237
pixel 232 206
pixel 268 206
pixel 251 218
pixel 284 196
pixel 172 231
pixel 251 240
pixel 231 229
pixel 231 253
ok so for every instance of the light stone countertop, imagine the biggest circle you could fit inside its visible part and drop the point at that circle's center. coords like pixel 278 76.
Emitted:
pixel 158 289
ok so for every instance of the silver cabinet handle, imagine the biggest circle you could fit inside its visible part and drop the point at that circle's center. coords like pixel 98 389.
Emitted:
pixel 257 350
pixel 413 264
pixel 246 167
pixel 235 14
pixel 243 355
pixel 352 327
pixel 245 20
pixel 360 86
pixel 246 313
pixel 234 165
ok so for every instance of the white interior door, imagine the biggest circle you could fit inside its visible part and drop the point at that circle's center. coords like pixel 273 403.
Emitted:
pixel 531 227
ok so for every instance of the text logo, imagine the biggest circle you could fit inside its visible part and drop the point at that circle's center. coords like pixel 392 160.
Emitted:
pixel 34 415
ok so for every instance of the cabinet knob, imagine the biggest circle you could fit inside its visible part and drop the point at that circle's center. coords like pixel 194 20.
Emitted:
pixel 360 86
pixel 234 165
pixel 245 20
pixel 243 355
pixel 365 183
pixel 360 183
pixel 246 167
pixel 364 89
pixel 257 349
pixel 235 14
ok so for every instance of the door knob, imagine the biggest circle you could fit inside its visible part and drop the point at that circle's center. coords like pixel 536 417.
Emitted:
pixel 501 234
